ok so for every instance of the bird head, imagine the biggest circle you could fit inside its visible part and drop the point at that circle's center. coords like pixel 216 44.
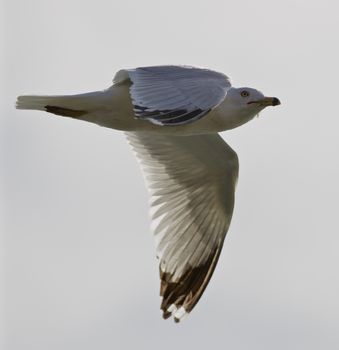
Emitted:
pixel 249 101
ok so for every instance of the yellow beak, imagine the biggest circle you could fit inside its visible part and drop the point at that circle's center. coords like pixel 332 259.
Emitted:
pixel 268 101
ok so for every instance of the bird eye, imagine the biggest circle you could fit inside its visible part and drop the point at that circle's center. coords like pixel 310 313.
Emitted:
pixel 244 93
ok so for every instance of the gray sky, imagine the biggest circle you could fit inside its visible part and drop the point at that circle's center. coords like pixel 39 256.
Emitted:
pixel 80 268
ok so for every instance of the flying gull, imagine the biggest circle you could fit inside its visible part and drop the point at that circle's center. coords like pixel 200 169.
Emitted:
pixel 172 116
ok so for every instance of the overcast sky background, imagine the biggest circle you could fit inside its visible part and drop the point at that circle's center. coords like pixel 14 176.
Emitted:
pixel 80 268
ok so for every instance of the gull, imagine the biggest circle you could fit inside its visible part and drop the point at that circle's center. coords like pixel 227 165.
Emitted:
pixel 172 116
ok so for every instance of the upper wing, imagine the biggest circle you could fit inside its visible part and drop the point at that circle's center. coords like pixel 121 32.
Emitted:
pixel 174 95
pixel 192 181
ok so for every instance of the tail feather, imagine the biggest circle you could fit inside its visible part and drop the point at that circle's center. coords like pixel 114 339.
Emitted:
pixel 35 102
pixel 67 105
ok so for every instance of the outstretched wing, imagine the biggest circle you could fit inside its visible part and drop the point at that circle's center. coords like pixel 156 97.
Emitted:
pixel 191 181
pixel 175 95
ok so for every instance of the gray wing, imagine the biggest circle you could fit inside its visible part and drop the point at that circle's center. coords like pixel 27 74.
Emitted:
pixel 191 181
pixel 175 95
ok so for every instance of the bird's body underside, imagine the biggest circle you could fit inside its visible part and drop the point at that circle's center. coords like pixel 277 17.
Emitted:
pixel 171 116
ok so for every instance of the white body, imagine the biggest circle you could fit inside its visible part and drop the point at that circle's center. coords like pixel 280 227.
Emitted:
pixel 113 107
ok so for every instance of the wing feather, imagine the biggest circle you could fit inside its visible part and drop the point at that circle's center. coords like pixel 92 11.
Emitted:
pixel 174 95
pixel 192 181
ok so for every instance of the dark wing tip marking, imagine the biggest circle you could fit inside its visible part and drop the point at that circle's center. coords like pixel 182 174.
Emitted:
pixel 169 117
pixel 66 112
pixel 186 291
pixel 190 116
pixel 143 112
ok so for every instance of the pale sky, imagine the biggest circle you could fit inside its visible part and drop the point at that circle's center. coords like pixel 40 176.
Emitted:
pixel 80 266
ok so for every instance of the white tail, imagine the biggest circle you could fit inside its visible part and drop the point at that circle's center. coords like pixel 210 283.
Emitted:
pixel 37 102
pixel 81 102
